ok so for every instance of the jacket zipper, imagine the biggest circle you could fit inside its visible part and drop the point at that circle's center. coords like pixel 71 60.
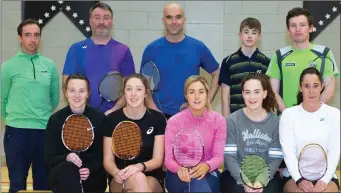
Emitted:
pixel 34 69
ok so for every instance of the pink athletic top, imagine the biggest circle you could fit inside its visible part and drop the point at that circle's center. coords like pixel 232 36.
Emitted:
pixel 212 128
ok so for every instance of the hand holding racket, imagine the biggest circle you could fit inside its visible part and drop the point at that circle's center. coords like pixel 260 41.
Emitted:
pixel 188 149
pixel 199 171
pixel 75 159
pixel 254 172
pixel 320 186
pixel 306 186
pixel 126 142
pixel 77 134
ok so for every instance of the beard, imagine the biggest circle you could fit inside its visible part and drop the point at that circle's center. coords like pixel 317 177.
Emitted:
pixel 103 33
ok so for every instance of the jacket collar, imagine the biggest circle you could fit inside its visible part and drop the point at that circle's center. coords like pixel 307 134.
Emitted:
pixel 190 116
pixel 20 53
pixel 253 54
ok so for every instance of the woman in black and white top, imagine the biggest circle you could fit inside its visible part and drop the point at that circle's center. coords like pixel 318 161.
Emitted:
pixel 310 122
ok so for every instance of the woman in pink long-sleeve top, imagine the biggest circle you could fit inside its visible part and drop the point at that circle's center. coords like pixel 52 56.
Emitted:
pixel 211 126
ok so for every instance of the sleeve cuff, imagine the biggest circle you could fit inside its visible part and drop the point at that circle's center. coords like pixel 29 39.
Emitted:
pixel 299 180
pixel 210 168
pixel 210 165
pixel 326 179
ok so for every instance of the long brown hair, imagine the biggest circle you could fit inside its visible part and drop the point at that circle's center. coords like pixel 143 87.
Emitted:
pixel 269 103
pixel 144 82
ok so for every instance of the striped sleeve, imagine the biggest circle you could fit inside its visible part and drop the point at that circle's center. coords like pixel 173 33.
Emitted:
pixel 275 154
pixel 230 152
pixel 230 149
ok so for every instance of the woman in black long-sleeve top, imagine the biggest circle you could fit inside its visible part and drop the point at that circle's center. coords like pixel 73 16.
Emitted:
pixel 66 169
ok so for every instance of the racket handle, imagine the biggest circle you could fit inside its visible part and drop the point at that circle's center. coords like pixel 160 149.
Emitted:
pixel 80 181
pixel 123 181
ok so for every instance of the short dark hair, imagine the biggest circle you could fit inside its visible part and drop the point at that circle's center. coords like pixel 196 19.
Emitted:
pixel 251 23
pixel 27 22
pixel 297 11
pixel 79 77
pixel 76 76
pixel 102 6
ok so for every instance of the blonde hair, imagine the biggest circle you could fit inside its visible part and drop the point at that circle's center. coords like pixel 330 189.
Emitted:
pixel 193 79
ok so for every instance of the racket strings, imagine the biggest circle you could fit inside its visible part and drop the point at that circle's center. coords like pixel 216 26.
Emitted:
pixel 110 86
pixel 312 162
pixel 77 133
pixel 254 169
pixel 150 71
pixel 188 149
pixel 127 141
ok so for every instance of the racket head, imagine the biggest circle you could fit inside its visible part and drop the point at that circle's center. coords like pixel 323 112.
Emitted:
pixel 321 63
pixel 150 71
pixel 188 148
pixel 254 171
pixel 77 133
pixel 110 86
pixel 127 140
pixel 312 162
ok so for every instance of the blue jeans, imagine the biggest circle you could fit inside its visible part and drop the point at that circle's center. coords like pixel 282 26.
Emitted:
pixel 210 183
pixel 24 147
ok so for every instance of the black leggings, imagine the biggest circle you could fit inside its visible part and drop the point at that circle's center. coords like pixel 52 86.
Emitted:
pixel 228 184
pixel 65 178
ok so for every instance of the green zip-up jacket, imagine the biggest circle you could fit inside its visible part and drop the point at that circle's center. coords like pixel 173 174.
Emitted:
pixel 30 90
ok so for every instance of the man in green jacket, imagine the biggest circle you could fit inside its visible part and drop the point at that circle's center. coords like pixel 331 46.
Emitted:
pixel 30 93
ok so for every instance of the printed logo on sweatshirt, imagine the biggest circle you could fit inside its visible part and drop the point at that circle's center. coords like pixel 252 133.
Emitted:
pixel 257 134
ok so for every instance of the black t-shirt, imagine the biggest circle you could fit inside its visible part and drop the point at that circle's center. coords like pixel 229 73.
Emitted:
pixel 151 124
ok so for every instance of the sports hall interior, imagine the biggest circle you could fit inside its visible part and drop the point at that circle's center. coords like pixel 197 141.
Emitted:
pixel 138 23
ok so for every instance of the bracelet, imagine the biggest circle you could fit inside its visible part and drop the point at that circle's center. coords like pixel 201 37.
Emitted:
pixel 144 166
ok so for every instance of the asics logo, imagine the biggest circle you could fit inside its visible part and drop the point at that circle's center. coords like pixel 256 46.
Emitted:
pixel 150 130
